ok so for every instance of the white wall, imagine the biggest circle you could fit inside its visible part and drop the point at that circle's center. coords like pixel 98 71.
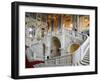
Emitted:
pixel 5 40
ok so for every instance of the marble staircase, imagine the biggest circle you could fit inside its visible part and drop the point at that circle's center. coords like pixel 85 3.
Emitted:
pixel 86 59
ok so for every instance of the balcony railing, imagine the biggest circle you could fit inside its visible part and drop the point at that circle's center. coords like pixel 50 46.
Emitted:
pixel 57 61
pixel 60 60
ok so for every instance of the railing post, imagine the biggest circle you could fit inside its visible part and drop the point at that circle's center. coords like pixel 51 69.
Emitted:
pixel 71 59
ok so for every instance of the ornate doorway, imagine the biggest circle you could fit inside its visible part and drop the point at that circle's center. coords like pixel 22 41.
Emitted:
pixel 55 47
